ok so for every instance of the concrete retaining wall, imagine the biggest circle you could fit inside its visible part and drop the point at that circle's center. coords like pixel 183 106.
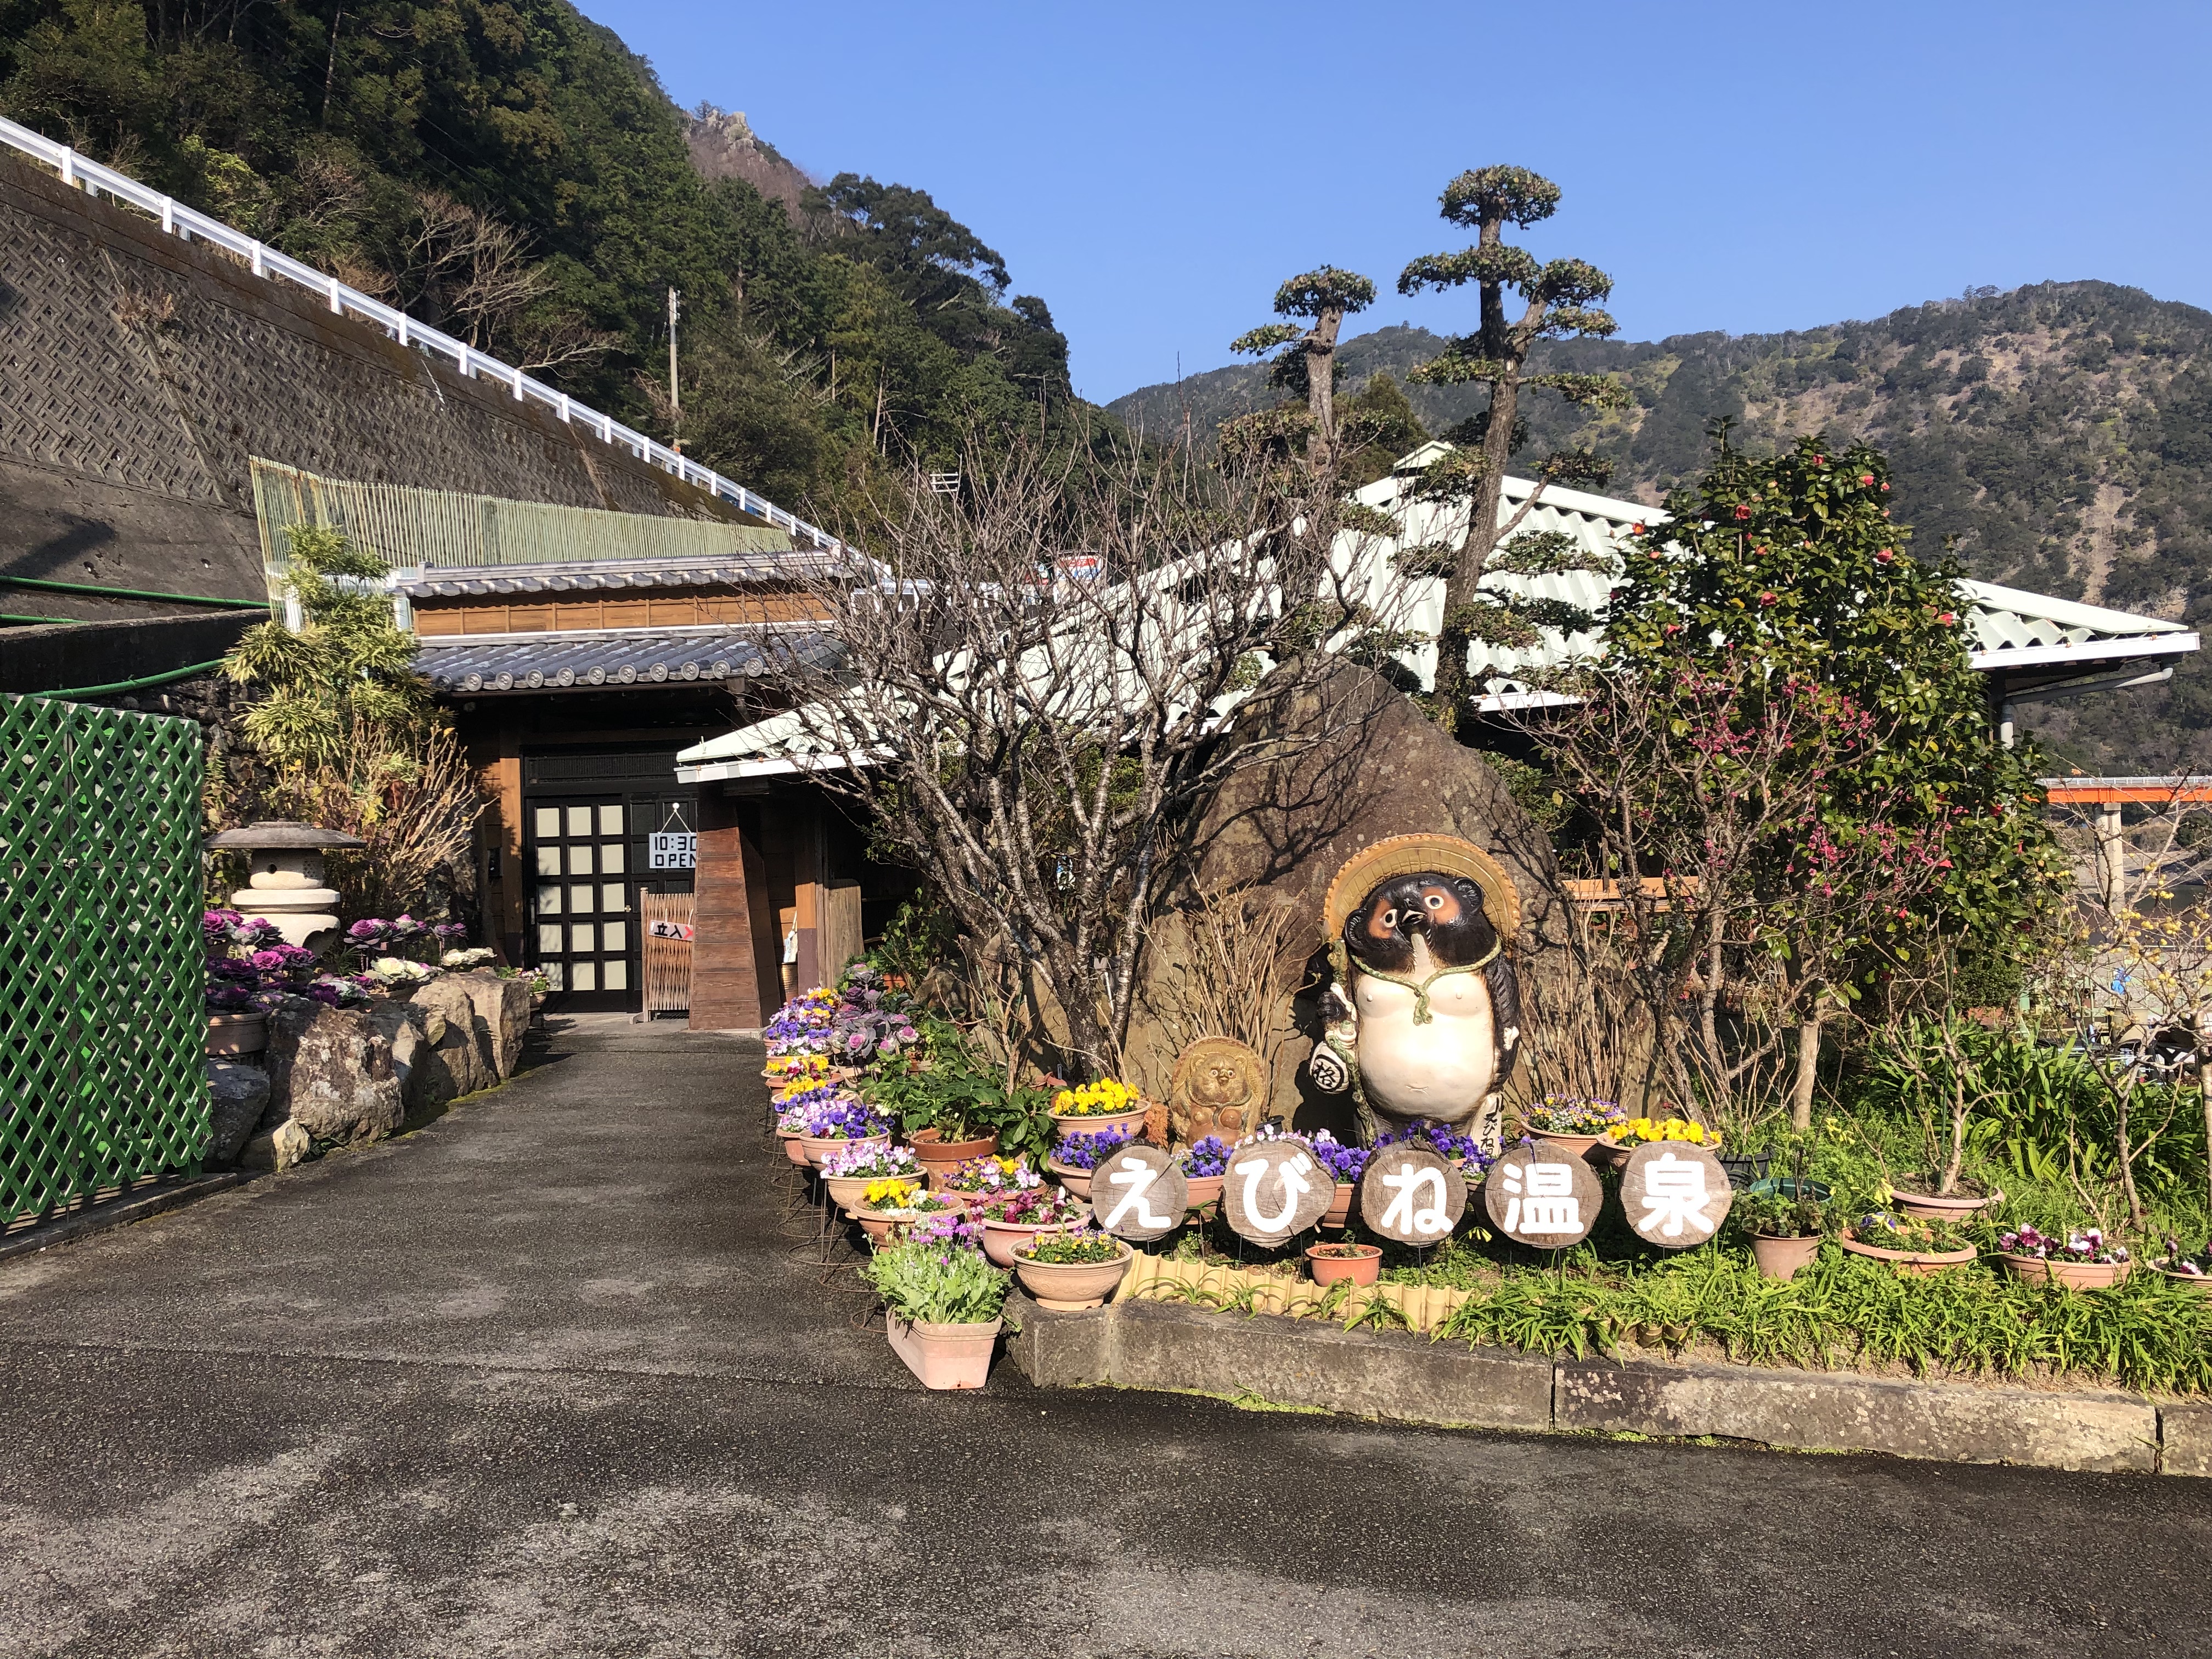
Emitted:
pixel 1406 1379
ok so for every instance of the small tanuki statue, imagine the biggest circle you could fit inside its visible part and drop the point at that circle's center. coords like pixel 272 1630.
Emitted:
pixel 1424 1009
pixel 1219 1088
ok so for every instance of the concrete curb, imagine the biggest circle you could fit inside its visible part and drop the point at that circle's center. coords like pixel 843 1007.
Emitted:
pixel 1401 1377
pixel 118 1212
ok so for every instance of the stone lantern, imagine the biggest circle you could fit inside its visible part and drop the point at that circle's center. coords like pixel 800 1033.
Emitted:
pixel 286 886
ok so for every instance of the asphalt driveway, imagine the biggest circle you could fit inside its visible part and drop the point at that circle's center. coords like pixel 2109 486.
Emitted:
pixel 546 1377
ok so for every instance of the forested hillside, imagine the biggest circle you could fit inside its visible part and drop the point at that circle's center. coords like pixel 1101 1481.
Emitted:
pixel 2062 433
pixel 508 170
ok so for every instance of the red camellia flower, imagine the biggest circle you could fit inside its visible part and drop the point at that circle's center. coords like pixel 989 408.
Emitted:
pixel 1766 598
pixel 1947 618
pixel 1636 530
pixel 1884 556
pixel 1866 477
pixel 1742 511
pixel 1819 460
pixel 1884 487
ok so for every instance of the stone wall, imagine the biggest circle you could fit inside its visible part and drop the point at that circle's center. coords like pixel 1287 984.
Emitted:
pixel 138 373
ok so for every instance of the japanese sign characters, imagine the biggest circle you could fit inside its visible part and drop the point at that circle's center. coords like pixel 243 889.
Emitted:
pixel 1676 1194
pixel 1139 1193
pixel 1412 1194
pixel 1542 1194
pixel 1273 1189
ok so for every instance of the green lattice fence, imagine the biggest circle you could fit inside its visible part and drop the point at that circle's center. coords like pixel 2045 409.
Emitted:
pixel 102 1020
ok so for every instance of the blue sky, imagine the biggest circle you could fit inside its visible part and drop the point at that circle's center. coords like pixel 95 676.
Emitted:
pixel 1154 171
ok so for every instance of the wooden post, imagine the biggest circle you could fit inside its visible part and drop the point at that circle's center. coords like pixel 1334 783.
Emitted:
pixel 726 992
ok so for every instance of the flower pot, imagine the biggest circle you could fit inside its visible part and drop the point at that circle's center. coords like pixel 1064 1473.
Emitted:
pixel 1579 1145
pixel 1204 1190
pixel 237 1034
pixel 845 1190
pixel 1001 1238
pixel 793 1147
pixel 1781 1258
pixel 1363 1268
pixel 1069 1285
pixel 818 1148
pixel 2199 1283
pixel 1911 1261
pixel 880 1225
pixel 1605 1155
pixel 945 1356
pixel 934 1151
pixel 1075 1123
pixel 1077 1181
pixel 1339 1212
pixel 1926 1206
pixel 2073 1275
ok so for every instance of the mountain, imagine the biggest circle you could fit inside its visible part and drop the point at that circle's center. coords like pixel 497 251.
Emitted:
pixel 510 172
pixel 2062 433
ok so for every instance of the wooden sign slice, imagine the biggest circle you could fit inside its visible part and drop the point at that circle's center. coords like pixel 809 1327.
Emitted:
pixel 1412 1194
pixel 1542 1194
pixel 1676 1193
pixel 1274 1189
pixel 1139 1193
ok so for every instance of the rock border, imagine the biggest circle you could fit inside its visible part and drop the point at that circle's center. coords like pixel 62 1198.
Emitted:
pixel 1401 1377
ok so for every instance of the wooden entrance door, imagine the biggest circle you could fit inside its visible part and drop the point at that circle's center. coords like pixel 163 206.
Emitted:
pixel 582 914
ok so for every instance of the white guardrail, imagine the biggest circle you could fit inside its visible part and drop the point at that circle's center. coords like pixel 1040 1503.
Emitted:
pixel 178 220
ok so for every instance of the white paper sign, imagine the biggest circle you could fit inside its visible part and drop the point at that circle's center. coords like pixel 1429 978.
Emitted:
pixel 674 850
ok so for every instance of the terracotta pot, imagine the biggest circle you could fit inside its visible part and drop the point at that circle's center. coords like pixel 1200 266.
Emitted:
pixel 2074 1275
pixel 1077 1181
pixel 1069 1285
pixel 1781 1258
pixel 2199 1283
pixel 1608 1156
pixel 1363 1268
pixel 793 1147
pixel 1204 1190
pixel 1075 1124
pixel 945 1356
pixel 237 1034
pixel 879 1224
pixel 1340 1211
pixel 1911 1261
pixel 1925 1207
pixel 818 1148
pixel 933 1150
pixel 1000 1238
pixel 845 1190
pixel 1578 1144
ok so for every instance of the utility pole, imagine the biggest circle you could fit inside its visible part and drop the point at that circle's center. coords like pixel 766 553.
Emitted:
pixel 675 386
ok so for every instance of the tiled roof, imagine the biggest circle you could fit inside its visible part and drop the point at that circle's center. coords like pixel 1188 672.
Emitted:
pixel 582 577
pixel 635 656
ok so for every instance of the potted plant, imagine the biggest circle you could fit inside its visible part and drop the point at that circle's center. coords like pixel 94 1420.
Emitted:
pixel 1361 1264
pixel 1077 1157
pixel 1072 1270
pixel 1572 1122
pixel 249 970
pixel 982 1178
pixel 1102 1105
pixel 1345 1164
pixel 1463 1152
pixel 1626 1136
pixel 2078 1258
pixel 2194 1271
pixel 1913 1245
pixel 1942 1070
pixel 1785 1230
pixel 1012 1218
pixel 1206 1165
pixel 895 1202
pixel 941 1305
pixel 825 1126
pixel 849 1169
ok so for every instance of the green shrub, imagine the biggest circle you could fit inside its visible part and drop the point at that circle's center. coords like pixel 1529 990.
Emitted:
pixel 937 1283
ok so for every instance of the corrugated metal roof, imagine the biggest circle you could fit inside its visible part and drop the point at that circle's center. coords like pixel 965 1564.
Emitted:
pixel 637 656
pixel 2033 635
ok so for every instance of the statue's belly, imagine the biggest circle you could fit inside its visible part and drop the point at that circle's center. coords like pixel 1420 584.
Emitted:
pixel 1444 1068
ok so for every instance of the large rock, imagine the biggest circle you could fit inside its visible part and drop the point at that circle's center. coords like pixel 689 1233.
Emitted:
pixel 407 1028
pixel 1333 767
pixel 503 1005
pixel 459 1060
pixel 277 1148
pixel 329 1071
pixel 237 1095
